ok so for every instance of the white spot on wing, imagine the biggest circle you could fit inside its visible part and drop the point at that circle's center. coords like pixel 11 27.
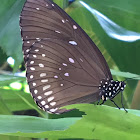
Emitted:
pixel 48 93
pixel 37 8
pixel 27 50
pixel 44 80
pixel 73 43
pixel 46 87
pixel 43 74
pixel 65 64
pixel 38 39
pixel 32 68
pixel 63 20
pixel 66 74
pixel 56 76
pixel 32 62
pixel 43 102
pixel 53 103
pixel 74 27
pixel 37 50
pixel 53 110
pixel 41 65
pixel 35 91
pixel 34 84
pixel 58 32
pixel 31 77
pixel 46 106
pixel 71 60
pixel 34 56
pixel 43 55
pixel 50 99
pixel 39 97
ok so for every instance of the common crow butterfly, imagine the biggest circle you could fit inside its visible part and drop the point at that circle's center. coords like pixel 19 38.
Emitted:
pixel 63 65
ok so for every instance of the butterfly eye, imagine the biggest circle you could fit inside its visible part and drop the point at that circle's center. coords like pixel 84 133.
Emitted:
pixel 63 65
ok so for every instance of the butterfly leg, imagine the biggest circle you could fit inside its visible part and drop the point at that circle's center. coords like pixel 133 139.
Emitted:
pixel 102 102
pixel 115 104
pixel 98 101
pixel 122 102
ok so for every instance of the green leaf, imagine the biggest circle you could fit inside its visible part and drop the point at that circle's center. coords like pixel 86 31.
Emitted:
pixel 103 122
pixel 13 101
pixel 62 3
pixel 125 74
pixel 7 79
pixel 30 126
pixel 100 122
pixel 10 40
pixel 2 137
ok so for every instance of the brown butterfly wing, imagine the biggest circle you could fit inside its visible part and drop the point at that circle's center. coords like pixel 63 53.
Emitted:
pixel 63 65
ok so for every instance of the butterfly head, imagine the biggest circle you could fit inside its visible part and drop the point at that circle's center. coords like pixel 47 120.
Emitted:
pixel 109 88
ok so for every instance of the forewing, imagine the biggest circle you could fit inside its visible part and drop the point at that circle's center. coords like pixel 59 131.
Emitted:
pixel 44 19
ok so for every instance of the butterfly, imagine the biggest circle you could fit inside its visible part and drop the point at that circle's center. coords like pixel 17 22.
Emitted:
pixel 63 65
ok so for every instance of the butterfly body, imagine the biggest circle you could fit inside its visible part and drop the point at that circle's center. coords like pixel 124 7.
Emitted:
pixel 109 88
pixel 63 65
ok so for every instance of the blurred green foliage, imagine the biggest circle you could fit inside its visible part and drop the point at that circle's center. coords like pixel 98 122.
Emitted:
pixel 114 27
